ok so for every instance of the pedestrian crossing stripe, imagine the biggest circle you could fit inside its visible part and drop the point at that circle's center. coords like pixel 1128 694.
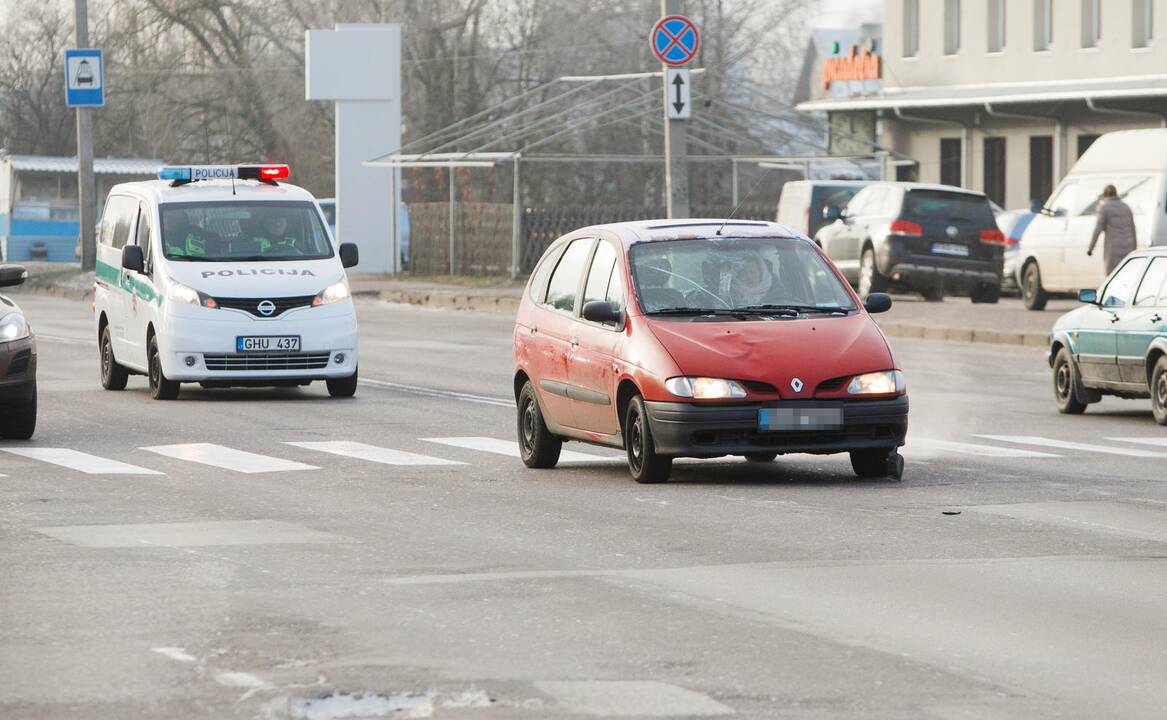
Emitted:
pixel 372 453
pixel 510 448
pixel 1156 442
pixel 980 450
pixel 1067 445
pixel 79 461
pixel 226 458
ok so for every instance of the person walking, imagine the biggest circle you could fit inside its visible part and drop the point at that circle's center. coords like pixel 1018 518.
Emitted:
pixel 1118 223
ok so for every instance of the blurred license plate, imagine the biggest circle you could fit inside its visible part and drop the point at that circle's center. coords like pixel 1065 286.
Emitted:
pixel 267 343
pixel 800 418
pixel 950 249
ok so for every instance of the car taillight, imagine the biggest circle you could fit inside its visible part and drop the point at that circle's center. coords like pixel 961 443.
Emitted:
pixel 904 227
pixel 992 237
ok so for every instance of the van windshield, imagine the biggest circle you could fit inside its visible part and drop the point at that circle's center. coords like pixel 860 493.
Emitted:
pixel 240 231
pixel 775 276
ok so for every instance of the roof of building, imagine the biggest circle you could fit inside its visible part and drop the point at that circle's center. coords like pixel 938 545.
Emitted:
pixel 101 166
pixel 1002 93
pixel 162 191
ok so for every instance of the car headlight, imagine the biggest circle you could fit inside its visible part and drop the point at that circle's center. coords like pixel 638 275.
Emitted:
pixel 180 293
pixel 877 383
pixel 703 388
pixel 333 293
pixel 13 326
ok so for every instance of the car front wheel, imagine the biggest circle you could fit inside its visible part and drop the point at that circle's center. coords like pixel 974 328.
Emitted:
pixel 1159 391
pixel 1033 295
pixel 878 462
pixel 1065 380
pixel 113 375
pixel 644 463
pixel 161 388
pixel 19 423
pixel 537 446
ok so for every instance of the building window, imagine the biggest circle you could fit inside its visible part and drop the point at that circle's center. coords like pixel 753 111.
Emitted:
pixel 995 169
pixel 951 27
pixel 1091 23
pixel 1084 143
pixel 950 161
pixel 911 27
pixel 996 25
pixel 1043 24
pixel 1142 23
pixel 1041 167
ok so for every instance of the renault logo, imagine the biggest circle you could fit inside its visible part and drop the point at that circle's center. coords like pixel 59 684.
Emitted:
pixel 266 308
pixel 796 385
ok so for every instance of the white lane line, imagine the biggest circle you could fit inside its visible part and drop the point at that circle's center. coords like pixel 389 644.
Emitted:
pixel 1156 442
pixel 372 453
pixel 176 654
pixel 626 698
pixel 189 534
pixel 221 456
pixel 1067 445
pixel 240 680
pixel 973 449
pixel 434 392
pixel 511 449
pixel 82 462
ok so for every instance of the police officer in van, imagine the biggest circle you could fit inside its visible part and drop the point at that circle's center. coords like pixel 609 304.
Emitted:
pixel 273 235
pixel 182 237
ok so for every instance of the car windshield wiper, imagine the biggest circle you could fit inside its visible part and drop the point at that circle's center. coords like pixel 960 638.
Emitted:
pixel 693 311
pixel 793 309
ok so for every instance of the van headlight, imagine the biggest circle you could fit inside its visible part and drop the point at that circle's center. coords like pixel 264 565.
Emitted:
pixel 13 326
pixel 877 383
pixel 184 295
pixel 333 293
pixel 703 388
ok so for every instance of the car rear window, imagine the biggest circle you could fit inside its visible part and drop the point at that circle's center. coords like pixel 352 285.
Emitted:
pixel 940 205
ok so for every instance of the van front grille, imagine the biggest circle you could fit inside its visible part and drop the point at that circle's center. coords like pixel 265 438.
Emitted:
pixel 251 305
pixel 266 361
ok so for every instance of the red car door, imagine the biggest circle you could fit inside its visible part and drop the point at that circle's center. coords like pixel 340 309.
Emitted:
pixel 592 370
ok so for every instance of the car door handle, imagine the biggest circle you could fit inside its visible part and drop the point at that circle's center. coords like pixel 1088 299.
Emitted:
pixel 1156 318
pixel 575 342
pixel 1114 318
pixel 534 329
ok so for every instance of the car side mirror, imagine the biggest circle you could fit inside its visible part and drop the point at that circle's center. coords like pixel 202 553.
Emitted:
pixel 831 212
pixel 1089 297
pixel 878 303
pixel 1035 206
pixel 132 258
pixel 350 255
pixel 11 275
pixel 601 311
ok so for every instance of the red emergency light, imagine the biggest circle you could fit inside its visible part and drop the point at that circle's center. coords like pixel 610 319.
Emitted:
pixel 270 173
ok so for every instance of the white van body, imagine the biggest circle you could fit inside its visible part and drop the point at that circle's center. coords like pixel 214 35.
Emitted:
pixel 1135 162
pixel 801 203
pixel 204 341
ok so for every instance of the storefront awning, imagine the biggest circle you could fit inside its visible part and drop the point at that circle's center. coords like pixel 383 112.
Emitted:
pixel 101 166
pixel 1146 86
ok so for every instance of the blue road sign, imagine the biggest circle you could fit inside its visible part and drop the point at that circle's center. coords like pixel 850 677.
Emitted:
pixel 84 78
pixel 675 40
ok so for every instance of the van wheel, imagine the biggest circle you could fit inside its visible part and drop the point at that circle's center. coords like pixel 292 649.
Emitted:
pixel 113 375
pixel 1159 391
pixel 537 446
pixel 1065 380
pixel 344 387
pixel 160 387
pixel 870 279
pixel 1033 295
pixel 986 294
pixel 19 423
pixel 644 463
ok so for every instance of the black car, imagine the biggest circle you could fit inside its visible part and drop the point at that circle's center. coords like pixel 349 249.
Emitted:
pixel 17 363
pixel 930 239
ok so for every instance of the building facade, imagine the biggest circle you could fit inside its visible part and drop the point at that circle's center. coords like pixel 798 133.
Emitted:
pixel 1000 96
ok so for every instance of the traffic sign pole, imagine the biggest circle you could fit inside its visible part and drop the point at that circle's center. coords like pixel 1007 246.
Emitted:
pixel 86 187
pixel 676 129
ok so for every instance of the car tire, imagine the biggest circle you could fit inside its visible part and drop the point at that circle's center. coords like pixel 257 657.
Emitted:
pixel 644 463
pixel 1066 380
pixel 986 294
pixel 537 446
pixel 1033 295
pixel 344 387
pixel 877 463
pixel 113 375
pixel 161 388
pixel 761 457
pixel 933 292
pixel 870 279
pixel 19 423
pixel 1159 391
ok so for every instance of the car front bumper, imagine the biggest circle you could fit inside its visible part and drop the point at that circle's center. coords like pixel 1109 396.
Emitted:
pixel 692 430
pixel 17 371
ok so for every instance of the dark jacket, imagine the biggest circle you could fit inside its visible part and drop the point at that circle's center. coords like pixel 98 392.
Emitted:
pixel 1118 223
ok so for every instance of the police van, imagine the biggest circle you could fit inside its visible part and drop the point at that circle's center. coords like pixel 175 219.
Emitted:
pixel 225 276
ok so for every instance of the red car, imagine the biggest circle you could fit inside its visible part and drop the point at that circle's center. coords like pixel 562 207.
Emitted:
pixel 703 338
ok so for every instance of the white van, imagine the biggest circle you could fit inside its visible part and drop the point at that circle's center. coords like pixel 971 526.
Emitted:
pixel 801 204
pixel 1053 250
pixel 223 276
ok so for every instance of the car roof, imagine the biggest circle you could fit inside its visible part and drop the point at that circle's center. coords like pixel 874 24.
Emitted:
pixel 164 191
pixel 638 231
pixel 1155 250
pixel 934 186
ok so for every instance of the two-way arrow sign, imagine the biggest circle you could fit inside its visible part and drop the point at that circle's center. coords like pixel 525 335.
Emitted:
pixel 677 93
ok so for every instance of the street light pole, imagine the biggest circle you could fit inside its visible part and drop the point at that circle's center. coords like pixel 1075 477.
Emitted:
pixel 676 143
pixel 86 188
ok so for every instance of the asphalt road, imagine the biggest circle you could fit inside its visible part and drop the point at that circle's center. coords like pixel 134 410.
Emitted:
pixel 277 554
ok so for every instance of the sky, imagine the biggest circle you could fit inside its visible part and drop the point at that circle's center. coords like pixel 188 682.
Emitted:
pixel 846 13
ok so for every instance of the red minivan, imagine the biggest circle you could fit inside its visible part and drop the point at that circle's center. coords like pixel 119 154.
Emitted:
pixel 703 338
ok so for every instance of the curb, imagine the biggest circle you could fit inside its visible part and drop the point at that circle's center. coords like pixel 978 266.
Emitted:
pixel 453 300
pixel 53 291
pixel 968 335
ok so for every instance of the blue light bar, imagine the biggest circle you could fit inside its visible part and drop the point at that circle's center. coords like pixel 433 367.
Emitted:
pixel 174 173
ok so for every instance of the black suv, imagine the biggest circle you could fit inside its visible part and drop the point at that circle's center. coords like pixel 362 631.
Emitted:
pixel 17 364
pixel 930 239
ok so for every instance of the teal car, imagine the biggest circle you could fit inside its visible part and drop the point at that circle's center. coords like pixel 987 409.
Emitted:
pixel 1116 343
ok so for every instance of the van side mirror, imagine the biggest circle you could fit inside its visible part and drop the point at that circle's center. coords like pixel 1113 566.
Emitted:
pixel 1035 206
pixel 832 212
pixel 1089 297
pixel 11 275
pixel 878 303
pixel 601 311
pixel 132 258
pixel 349 254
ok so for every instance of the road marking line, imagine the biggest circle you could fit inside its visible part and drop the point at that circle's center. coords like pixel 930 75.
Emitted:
pixel 221 456
pixel 372 453
pixel 189 534
pixel 176 654
pixel 624 698
pixel 511 449
pixel 435 392
pixel 82 462
pixel 1066 445
pixel 240 680
pixel 973 449
pixel 1156 442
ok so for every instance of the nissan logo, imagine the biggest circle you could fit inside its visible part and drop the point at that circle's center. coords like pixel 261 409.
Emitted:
pixel 266 308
